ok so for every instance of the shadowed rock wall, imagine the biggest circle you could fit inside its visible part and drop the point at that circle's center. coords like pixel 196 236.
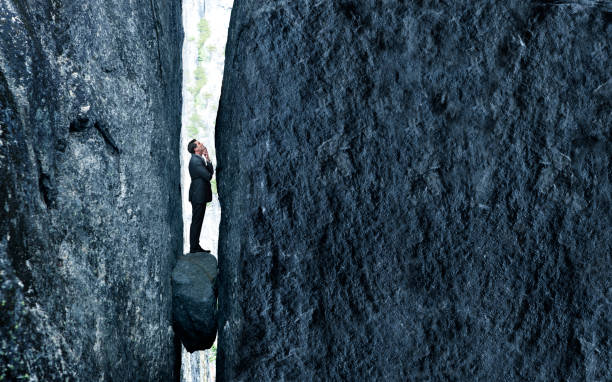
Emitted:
pixel 90 218
pixel 415 191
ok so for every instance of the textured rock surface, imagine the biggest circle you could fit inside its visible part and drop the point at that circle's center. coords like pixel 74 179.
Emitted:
pixel 194 300
pixel 89 188
pixel 415 191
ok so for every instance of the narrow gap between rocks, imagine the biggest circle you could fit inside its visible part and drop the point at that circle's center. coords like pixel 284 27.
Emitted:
pixel 205 24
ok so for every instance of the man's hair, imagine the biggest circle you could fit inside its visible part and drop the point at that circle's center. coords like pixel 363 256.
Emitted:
pixel 191 146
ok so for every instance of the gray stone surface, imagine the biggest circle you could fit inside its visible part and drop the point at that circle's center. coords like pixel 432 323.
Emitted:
pixel 415 191
pixel 194 300
pixel 89 188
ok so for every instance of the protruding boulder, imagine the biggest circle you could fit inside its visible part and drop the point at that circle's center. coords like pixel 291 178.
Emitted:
pixel 194 302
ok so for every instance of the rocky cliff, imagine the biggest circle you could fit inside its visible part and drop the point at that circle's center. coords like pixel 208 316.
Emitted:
pixel 415 191
pixel 89 188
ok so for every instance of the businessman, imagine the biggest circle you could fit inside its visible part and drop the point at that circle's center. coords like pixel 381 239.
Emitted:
pixel 201 172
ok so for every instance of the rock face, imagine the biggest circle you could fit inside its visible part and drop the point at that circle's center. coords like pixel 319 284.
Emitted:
pixel 194 300
pixel 415 191
pixel 89 188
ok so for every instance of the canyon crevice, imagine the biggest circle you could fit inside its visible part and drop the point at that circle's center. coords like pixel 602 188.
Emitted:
pixel 410 190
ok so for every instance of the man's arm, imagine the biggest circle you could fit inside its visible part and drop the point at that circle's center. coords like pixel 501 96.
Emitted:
pixel 208 162
pixel 210 168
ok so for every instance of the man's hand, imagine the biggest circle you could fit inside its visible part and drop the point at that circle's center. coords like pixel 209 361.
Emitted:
pixel 205 154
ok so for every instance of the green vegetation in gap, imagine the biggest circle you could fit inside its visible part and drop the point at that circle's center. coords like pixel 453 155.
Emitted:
pixel 200 79
pixel 213 184
pixel 214 106
pixel 207 96
pixel 200 101
pixel 195 123
pixel 213 353
pixel 204 31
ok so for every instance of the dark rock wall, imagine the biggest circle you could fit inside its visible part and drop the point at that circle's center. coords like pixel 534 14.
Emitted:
pixel 90 216
pixel 416 191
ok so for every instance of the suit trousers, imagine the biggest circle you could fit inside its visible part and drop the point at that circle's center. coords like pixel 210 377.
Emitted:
pixel 197 217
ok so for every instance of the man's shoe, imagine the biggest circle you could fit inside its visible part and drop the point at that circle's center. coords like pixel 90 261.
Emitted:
pixel 198 249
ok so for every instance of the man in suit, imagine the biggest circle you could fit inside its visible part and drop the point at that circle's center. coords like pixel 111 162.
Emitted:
pixel 201 172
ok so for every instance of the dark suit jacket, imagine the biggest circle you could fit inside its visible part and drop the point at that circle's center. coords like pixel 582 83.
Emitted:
pixel 201 173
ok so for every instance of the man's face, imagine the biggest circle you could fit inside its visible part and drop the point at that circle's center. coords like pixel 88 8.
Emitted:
pixel 199 149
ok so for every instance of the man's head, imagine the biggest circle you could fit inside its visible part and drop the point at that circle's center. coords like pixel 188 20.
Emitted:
pixel 195 147
pixel 191 146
